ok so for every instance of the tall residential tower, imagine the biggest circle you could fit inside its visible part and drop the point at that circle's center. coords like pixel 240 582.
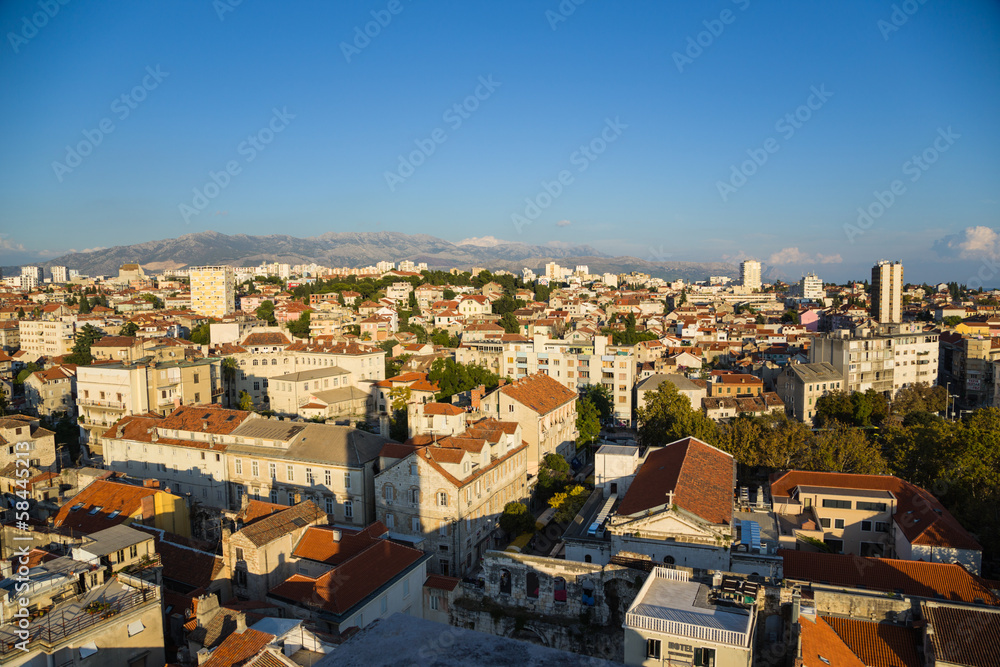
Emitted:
pixel 887 292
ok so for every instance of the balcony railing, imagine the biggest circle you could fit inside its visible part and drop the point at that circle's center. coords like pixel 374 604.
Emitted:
pixel 95 403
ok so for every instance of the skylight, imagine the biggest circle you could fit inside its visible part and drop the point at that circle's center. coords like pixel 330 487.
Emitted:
pixel 75 507
pixel 114 514
pixel 95 509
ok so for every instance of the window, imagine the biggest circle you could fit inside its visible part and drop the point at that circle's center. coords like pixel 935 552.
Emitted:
pixel 274 496
pixel 413 468
pixel 241 577
pixel 881 527
pixel 290 473
pixel 347 480
pixel 825 523
pixel 653 648
pixel 510 408
pixel 838 523
pixel 133 551
pixel 327 477
pixel 329 505
pixel 443 529
pixel 309 476
pixel 434 602
pixel 871 507
pixel 239 466
pixel 390 521
pixel 349 509
pixel 442 499
pixel 837 504
pixel 866 526
pixel 254 468
pixel 415 524
pixel 704 657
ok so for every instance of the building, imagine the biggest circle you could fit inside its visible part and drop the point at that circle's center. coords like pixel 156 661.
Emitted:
pixel 448 492
pixel 693 390
pixel 811 287
pixel 108 392
pixel 546 411
pixel 870 515
pixel 347 578
pixel 31 277
pixel 47 338
pixel 288 394
pixel 289 462
pixel 105 503
pixel 59 274
pixel 801 385
pixel 750 275
pixel 213 290
pixel 22 435
pixel 887 292
pixel 885 363
pixel 674 620
pixel 51 392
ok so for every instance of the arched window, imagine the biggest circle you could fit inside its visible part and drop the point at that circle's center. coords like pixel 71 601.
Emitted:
pixel 668 560
pixel 588 558
pixel 531 585
pixel 254 362
pixel 559 589
pixel 505 582
pixel 442 499
pixel 587 595
pixel 389 492
pixel 274 362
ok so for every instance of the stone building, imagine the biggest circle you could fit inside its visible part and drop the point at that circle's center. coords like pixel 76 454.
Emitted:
pixel 23 435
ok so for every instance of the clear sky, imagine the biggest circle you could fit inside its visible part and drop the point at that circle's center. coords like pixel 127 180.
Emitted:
pixel 672 103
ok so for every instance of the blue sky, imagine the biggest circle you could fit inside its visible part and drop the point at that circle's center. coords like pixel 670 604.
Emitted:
pixel 672 98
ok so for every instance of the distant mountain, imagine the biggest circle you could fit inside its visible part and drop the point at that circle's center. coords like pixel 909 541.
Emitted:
pixel 354 249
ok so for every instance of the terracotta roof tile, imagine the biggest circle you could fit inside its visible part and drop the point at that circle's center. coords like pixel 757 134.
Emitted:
pixel 258 509
pixel 276 525
pixel 822 647
pixel 539 392
pixel 701 477
pixel 947 580
pixel 964 636
pixel 878 644
pixel 238 648
pixel 319 544
pixel 113 498
pixel 265 338
pixel 441 582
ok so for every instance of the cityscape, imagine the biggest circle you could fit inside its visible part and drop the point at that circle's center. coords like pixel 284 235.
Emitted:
pixel 528 334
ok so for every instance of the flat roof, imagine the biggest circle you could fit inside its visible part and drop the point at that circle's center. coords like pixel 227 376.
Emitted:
pixel 618 450
pixel 687 602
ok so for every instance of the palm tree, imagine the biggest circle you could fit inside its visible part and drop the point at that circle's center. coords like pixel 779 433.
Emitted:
pixel 229 369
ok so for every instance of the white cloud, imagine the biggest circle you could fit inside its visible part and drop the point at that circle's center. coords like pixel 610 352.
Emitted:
pixel 796 256
pixel 7 244
pixel 563 223
pixel 970 243
pixel 482 241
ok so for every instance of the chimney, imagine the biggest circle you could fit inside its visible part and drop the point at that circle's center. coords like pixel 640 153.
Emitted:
pixel 337 535
pixel 207 609
pixel 476 396
pixel 241 622
pixel 502 382
pixel 151 483
pixel 203 656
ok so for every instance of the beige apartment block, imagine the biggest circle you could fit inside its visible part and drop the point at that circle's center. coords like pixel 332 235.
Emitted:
pixel 887 292
pixel 213 290
pixel 23 434
pixel 46 337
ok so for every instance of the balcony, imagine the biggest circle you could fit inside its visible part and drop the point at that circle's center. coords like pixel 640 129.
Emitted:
pixel 95 403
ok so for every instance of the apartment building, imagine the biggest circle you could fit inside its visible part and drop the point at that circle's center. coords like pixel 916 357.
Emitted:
pixel 750 275
pixel 287 394
pixel 726 384
pixel 673 621
pixel 546 411
pixel 22 434
pixel 967 367
pixel 448 492
pixel 108 392
pixel 886 363
pixel 185 451
pixel 801 385
pixel 871 515
pixel 887 292
pixel 213 290
pixel 59 274
pixel 48 338
pixel 288 462
pixel 576 365
pixel 51 391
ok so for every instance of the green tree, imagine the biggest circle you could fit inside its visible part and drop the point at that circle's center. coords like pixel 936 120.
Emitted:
pixel 300 327
pixel 20 314
pixel 447 294
pixel 568 503
pixel 588 423
pixel 516 519
pixel 509 323
pixel 952 321
pixel 201 334
pixel 601 397
pixel 453 378
pixel 668 416
pixel 129 329
pixel 265 311
pixel 84 305
pixel 29 368
pixel 919 397
pixel 85 337
pixel 4 403
pixel 790 316
pixel 440 337
pixel 553 476
pixel 230 368
pixel 246 401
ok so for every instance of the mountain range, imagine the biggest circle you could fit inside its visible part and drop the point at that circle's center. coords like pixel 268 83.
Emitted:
pixel 355 249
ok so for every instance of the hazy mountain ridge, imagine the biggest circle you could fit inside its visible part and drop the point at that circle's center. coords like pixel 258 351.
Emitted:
pixel 355 249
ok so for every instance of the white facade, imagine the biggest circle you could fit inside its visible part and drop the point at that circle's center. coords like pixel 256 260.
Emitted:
pixel 750 274
pixel 887 291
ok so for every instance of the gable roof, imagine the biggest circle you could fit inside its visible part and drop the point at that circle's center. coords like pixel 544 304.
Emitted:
pixel 878 644
pixel 919 515
pixel 701 477
pixel 950 581
pixel 258 509
pixel 538 392
pixel 113 498
pixel 319 543
pixel 822 647
pixel 238 648
pixel 953 627
pixel 276 525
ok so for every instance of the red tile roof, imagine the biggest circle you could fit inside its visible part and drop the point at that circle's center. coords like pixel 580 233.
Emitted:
pixel 878 644
pixel 238 648
pixel 949 580
pixel 319 544
pixel 919 515
pixel 258 509
pixel 441 582
pixel 822 647
pixel 701 477
pixel 964 636
pixel 111 497
pixel 442 409
pixel 539 392
pixel 343 587
pixel 270 338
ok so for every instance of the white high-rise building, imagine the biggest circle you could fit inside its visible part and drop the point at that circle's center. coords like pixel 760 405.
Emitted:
pixel 750 274
pixel 811 287
pixel 887 292
pixel 59 274
pixel 31 277
pixel 213 290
